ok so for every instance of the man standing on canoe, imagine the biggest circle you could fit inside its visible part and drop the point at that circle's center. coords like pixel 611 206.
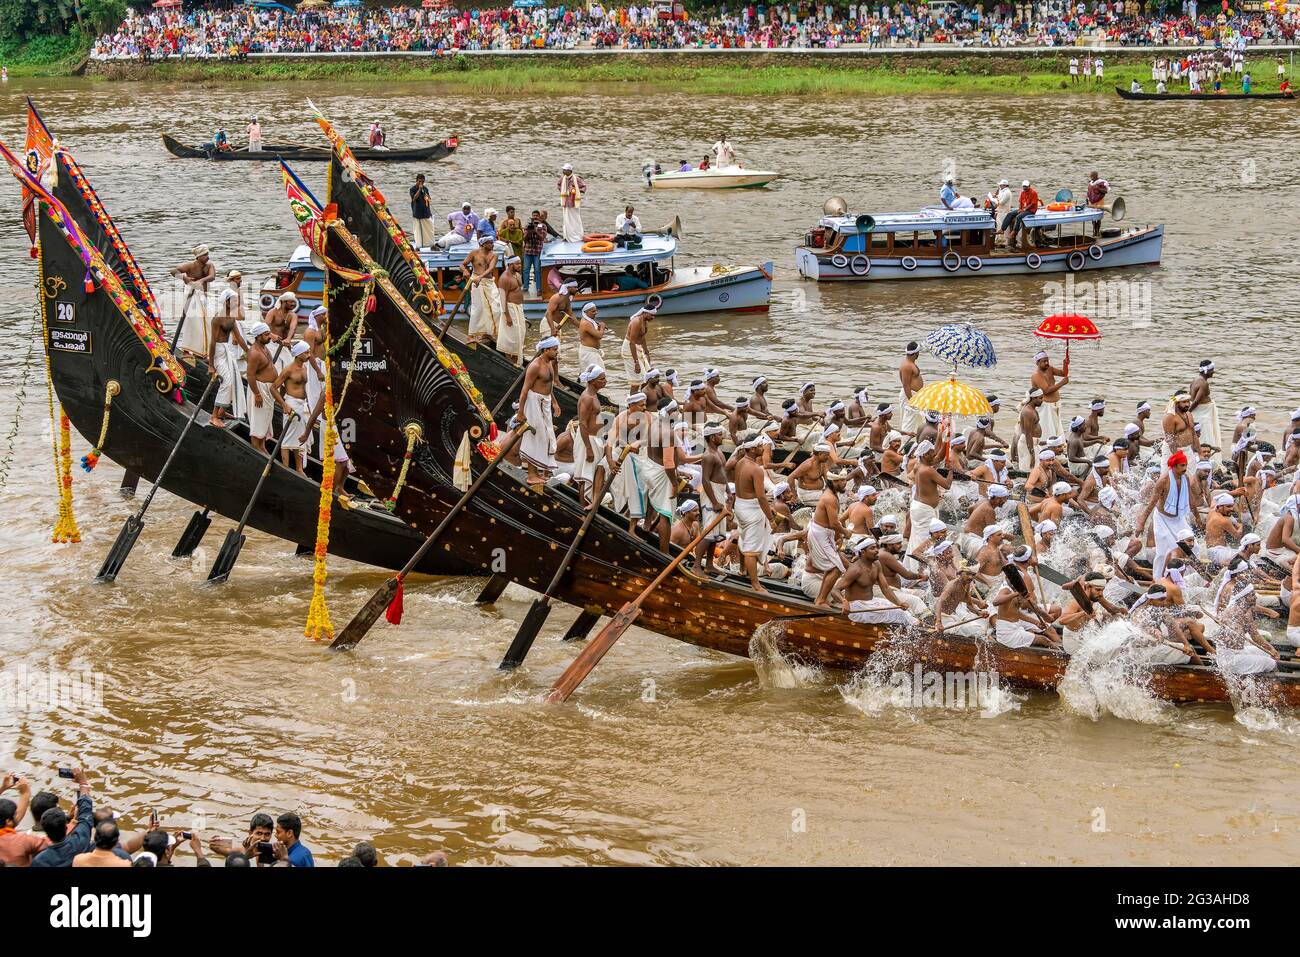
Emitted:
pixel 282 318
pixel 589 449
pixel 255 136
pixel 824 534
pixel 928 487
pixel 909 375
pixel 590 333
pixel 197 275
pixel 1097 190
pixel 261 397
pixel 1178 424
pixel 538 407
pixel 572 189
pixel 421 215
pixel 1205 412
pixel 1044 377
pixel 1028 430
pixel 713 490
pixel 510 337
pixel 290 389
pixel 480 268
pixel 636 348
pixel 1170 506
pixel 753 512
pixel 225 344
pixel 557 308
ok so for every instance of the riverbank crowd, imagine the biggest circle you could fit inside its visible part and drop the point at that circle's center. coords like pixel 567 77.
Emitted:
pixel 44 829
pixel 222 31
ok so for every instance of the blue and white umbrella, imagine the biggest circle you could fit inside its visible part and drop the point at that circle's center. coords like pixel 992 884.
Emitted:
pixel 962 344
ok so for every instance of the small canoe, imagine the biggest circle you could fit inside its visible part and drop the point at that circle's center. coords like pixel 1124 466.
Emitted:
pixel 723 177
pixel 1128 95
pixel 310 154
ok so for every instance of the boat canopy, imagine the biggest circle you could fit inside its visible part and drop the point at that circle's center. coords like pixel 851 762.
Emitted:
pixel 938 219
pixel 555 253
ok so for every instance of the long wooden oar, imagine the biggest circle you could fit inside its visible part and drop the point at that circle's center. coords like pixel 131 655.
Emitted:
pixel 234 543
pixel 134 524
pixel 1027 533
pixel 455 309
pixel 541 607
pixel 365 619
pixel 590 656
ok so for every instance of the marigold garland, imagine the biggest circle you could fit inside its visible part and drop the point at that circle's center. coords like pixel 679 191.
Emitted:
pixel 414 433
pixel 318 625
pixel 65 527
pixel 91 458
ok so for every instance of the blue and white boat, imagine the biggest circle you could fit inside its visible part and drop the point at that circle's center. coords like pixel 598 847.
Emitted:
pixel 618 279
pixel 939 243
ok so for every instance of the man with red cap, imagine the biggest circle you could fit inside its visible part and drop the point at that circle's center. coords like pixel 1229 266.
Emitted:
pixel 1170 507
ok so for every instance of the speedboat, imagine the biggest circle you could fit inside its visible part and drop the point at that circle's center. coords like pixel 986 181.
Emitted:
pixel 939 243
pixel 619 277
pixel 715 177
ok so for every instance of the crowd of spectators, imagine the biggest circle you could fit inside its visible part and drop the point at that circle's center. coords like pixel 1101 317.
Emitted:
pixel 43 829
pixel 226 31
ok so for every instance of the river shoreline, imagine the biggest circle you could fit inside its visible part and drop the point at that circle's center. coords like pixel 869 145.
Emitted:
pixel 708 72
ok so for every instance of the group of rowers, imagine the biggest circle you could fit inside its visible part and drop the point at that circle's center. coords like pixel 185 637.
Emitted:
pixel 801 493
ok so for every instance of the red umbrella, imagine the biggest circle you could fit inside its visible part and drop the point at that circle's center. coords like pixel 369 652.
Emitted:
pixel 1068 326
pixel 167 4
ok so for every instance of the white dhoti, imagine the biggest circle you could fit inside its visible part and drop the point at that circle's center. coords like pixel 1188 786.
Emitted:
pixel 584 465
pixel 967 628
pixel 629 352
pixel 422 233
pixel 510 337
pixel 755 529
pixel 1163 653
pixel 260 417
pixel 1250 659
pixel 808 496
pixel 195 332
pixel 911 417
pixel 811 583
pixel 823 550
pixel 1293 635
pixel 914 600
pixel 1167 531
pixel 588 357
pixel 1049 418
pixel 1013 634
pixel 709 513
pixel 293 438
pixel 970 544
pixel 657 492
pixel 484 308
pixel 315 386
pixel 230 391
pixel 921 515
pixel 1206 415
pixel 571 227
pixel 627 487
pixel 879 611
pixel 538 444
pixel 1220 554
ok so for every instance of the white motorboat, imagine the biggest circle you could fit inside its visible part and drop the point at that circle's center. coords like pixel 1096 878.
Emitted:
pixel 715 177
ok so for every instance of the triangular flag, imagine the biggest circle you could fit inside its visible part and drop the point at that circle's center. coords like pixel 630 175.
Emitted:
pixel 460 472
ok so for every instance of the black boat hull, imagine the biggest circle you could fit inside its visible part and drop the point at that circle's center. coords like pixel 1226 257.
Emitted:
pixel 309 154
pixel 1197 97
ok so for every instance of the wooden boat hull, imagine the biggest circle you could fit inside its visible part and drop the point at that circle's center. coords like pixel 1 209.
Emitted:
pixel 1212 97
pixel 309 154
pixel 523 533
pixel 1134 247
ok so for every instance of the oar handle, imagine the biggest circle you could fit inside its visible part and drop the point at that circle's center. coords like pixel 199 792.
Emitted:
pixel 464 500
pixel 454 310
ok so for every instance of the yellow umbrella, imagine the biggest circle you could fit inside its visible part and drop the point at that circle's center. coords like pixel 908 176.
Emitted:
pixel 951 397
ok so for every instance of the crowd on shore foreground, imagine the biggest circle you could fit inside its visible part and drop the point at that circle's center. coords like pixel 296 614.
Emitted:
pixel 219 31
pixel 46 830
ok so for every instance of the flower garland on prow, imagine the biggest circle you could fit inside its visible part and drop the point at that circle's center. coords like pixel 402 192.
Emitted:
pixel 318 626
pixel 91 458
pixel 65 526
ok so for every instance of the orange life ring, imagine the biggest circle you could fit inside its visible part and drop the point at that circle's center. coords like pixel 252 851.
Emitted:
pixel 1059 207
pixel 598 246
pixel 598 238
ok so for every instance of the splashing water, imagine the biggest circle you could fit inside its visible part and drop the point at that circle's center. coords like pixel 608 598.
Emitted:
pixel 1106 676
pixel 774 669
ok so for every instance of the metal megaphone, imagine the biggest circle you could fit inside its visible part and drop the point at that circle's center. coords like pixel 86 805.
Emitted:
pixel 1115 208
pixel 835 206
pixel 673 229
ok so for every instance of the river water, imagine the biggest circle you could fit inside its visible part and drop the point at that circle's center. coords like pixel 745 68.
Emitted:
pixel 214 706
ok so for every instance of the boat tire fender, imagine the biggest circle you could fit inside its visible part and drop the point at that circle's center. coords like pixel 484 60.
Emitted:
pixel 974 263
pixel 908 263
pixel 860 265
pixel 1095 252
pixel 1076 261
pixel 951 261
pixel 839 260
pixel 1033 260
pixel 598 246
pixel 598 238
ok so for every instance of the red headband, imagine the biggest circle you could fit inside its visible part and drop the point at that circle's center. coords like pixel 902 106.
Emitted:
pixel 1178 458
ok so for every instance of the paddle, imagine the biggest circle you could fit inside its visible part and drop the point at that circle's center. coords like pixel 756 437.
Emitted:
pixel 365 619
pixel 1027 531
pixel 464 298
pixel 134 524
pixel 234 543
pixel 590 656
pixel 1017 582
pixel 541 607
pixel 130 483
pixel 194 531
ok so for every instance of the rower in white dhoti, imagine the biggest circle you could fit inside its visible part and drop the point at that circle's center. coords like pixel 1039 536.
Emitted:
pixel 911 381
pixel 927 490
pixel 855 592
pixel 291 388
pixel 225 345
pixel 510 335
pixel 197 275
pixel 635 351
pixel 1169 508
pixel 485 312
pixel 588 442
pixel 538 407
pixel 572 189
pixel 1205 412
pixel 1044 378
pixel 261 395
pixel 590 333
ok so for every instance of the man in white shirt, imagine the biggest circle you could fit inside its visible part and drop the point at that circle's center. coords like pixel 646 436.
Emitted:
pixel 724 151
pixel 255 136
pixel 627 223
pixel 1004 205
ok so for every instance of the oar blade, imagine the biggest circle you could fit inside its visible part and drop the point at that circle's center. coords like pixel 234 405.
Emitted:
pixel 122 546
pixel 492 590
pixel 590 656
pixel 365 619
pixel 226 558
pixel 193 534
pixel 581 626
pixel 528 630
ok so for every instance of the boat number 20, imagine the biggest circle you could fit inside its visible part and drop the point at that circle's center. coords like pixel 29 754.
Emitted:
pixel 65 312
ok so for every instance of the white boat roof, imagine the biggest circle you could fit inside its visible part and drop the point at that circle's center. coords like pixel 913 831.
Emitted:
pixel 555 253
pixel 938 218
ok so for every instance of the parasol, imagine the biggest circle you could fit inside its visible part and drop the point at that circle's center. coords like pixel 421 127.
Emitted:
pixel 1068 326
pixel 950 397
pixel 961 344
